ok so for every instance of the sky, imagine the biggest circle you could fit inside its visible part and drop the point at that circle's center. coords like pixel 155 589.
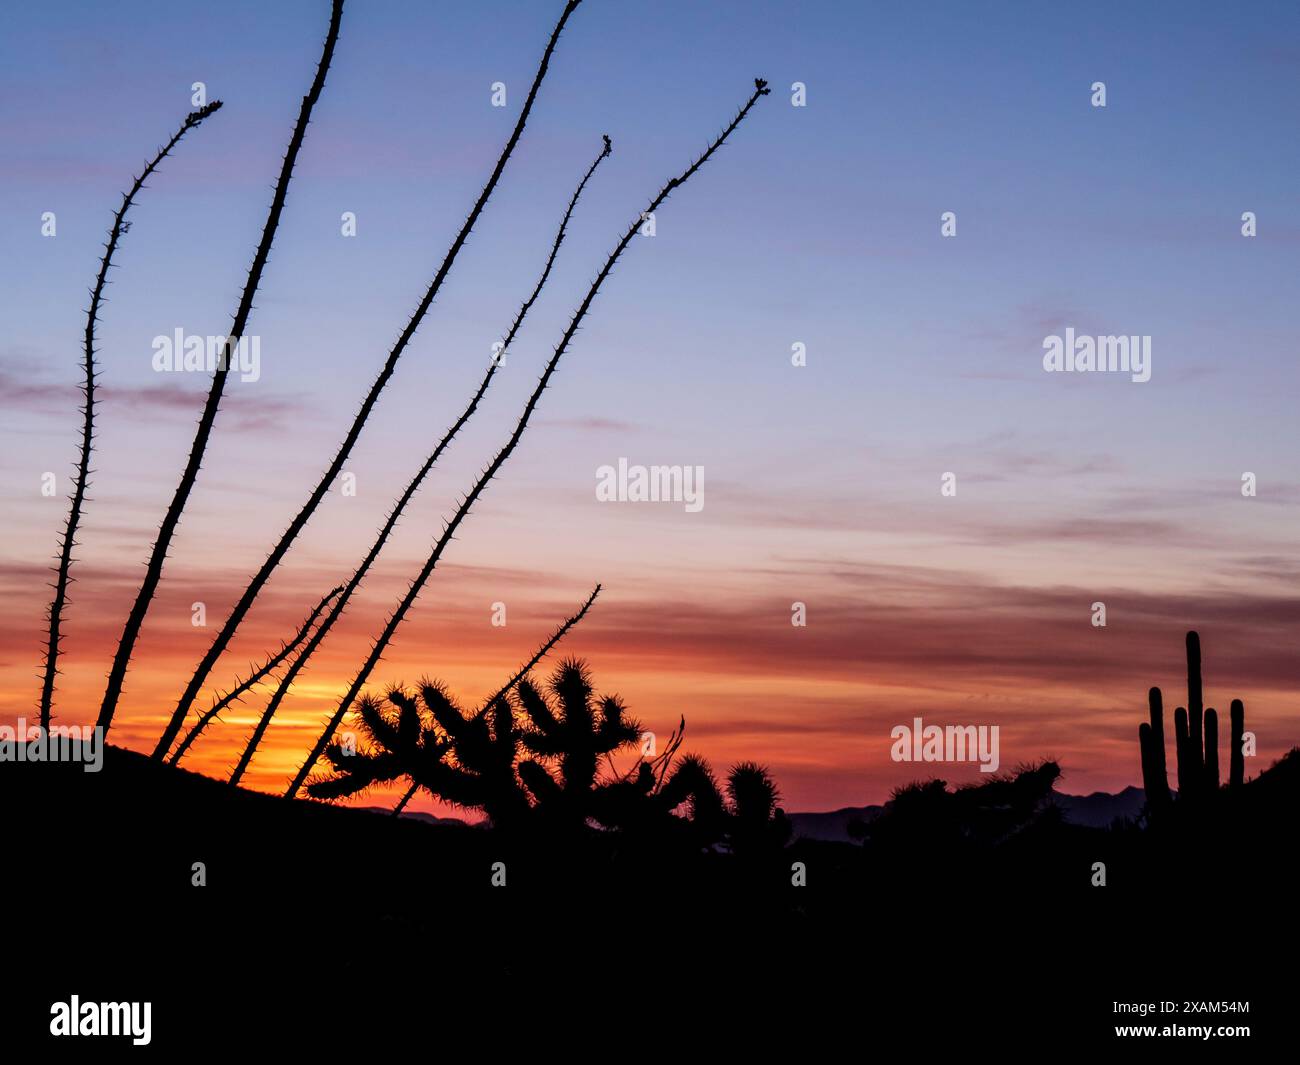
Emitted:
pixel 817 225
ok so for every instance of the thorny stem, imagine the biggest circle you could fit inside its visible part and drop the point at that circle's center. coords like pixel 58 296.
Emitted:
pixel 120 226
pixel 154 567
pixel 282 690
pixel 404 606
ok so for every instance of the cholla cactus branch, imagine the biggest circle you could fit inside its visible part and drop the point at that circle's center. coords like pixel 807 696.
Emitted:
pixel 499 697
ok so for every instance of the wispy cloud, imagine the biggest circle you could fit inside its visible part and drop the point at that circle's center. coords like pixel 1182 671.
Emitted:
pixel 24 388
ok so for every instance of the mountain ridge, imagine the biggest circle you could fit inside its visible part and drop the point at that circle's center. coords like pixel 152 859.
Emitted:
pixel 1099 809
pixel 1095 810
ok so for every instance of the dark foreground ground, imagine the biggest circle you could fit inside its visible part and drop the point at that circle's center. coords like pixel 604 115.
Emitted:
pixel 330 933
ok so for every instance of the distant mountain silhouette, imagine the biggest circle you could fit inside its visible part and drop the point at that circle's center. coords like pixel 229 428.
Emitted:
pixel 1102 809
pixel 833 825
pixel 416 815
pixel 1098 810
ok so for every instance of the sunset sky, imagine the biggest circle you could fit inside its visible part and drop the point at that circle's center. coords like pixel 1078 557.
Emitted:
pixel 816 224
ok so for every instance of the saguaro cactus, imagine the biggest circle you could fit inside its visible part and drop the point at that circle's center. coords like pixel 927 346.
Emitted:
pixel 1196 742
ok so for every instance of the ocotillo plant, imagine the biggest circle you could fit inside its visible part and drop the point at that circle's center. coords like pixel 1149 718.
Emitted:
pixel 1196 742
pixel 223 638
pixel 255 677
pixel 417 585
pixel 306 637
pixel 80 480
pixel 154 567
pixel 414 484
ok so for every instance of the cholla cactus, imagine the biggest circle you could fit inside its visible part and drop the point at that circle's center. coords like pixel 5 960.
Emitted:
pixel 478 759
pixel 756 824
pixel 467 759
pixel 926 818
pixel 748 821
pixel 537 761
pixel 571 729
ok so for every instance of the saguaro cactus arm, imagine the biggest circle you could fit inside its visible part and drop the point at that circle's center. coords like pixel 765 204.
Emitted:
pixel 1211 749
pixel 1151 738
pixel 1236 755
pixel 1195 704
pixel 1182 753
